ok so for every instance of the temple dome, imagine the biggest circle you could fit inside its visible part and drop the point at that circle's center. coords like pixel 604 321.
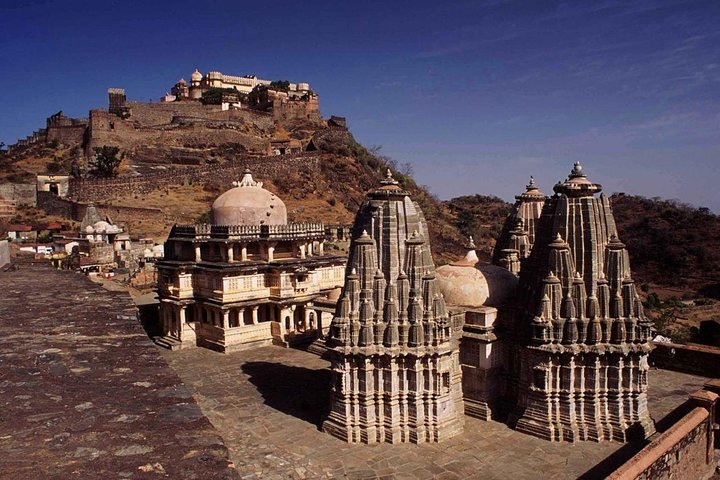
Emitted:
pixel 196 76
pixel 469 283
pixel 248 204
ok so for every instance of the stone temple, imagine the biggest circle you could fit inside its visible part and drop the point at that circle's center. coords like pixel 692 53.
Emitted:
pixel 518 235
pixel 551 338
pixel 394 354
pixel 582 339
pixel 560 353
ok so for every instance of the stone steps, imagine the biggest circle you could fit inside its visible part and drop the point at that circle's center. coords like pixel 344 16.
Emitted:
pixel 316 347
pixel 171 343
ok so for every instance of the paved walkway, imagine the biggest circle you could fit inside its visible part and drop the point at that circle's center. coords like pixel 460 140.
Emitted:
pixel 85 394
pixel 268 403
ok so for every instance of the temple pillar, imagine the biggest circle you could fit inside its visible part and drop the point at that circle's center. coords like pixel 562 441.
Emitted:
pixel 321 247
pixel 226 318
pixel 243 253
pixel 230 254
pixel 181 318
pixel 255 315
pixel 318 323
pixel 270 251
pixel 302 250
pixel 197 253
pixel 241 316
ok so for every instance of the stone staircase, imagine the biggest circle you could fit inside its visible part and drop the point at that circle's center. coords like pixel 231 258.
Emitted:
pixel 166 341
pixel 316 347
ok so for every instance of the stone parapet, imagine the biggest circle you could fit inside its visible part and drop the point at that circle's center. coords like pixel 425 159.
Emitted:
pixel 685 450
pixel 694 359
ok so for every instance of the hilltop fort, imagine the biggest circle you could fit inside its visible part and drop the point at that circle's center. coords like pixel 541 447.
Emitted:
pixel 215 116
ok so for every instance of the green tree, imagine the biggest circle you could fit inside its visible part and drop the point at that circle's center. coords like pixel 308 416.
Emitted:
pixel 280 85
pixel 106 162
pixel 214 96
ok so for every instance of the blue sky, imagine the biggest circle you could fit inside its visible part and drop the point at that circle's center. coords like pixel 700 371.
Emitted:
pixel 476 95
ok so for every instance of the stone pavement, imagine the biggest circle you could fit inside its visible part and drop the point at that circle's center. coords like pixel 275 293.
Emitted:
pixel 268 404
pixel 85 394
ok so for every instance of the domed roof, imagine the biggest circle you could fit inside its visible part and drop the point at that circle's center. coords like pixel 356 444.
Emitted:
pixel 101 226
pixel 248 204
pixel 469 283
pixel 196 76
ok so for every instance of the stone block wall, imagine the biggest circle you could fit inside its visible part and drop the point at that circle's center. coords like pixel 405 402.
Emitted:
pixel 55 205
pixel 693 359
pixel 4 253
pixel 22 193
pixel 175 124
pixel 67 135
pixel 99 190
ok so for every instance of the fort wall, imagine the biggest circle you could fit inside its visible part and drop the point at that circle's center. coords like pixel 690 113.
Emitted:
pixel 67 135
pixel 21 193
pixel 99 190
pixel 180 124
pixel 54 205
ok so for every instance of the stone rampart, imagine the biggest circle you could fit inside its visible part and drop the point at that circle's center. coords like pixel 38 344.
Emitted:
pixel 178 124
pixel 99 190
pixel 684 450
pixel 693 359
pixel 67 135
pixel 21 193
pixel 4 253
pixel 54 205
pixel 147 114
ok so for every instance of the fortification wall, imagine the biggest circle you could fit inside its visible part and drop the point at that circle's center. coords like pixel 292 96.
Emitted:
pixel 289 110
pixel 150 114
pixel 54 205
pixel 98 190
pixel 693 359
pixel 202 127
pixel 22 193
pixel 67 135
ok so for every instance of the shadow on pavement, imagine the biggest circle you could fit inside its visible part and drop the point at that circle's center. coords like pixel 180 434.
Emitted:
pixel 297 391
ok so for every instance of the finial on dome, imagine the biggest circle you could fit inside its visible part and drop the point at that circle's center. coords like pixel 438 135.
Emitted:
pixel 531 193
pixel 471 243
pixel 389 180
pixel 577 171
pixel 247 180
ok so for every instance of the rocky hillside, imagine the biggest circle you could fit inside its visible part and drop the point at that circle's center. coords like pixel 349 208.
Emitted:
pixel 670 244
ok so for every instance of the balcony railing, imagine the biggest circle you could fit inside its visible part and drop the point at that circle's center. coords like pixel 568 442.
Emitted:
pixel 290 231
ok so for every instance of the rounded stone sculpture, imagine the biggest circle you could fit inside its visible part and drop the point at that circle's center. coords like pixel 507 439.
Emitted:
pixel 248 204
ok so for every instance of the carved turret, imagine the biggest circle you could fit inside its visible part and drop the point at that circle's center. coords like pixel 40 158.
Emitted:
pixel 580 313
pixel 398 328
pixel 518 234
